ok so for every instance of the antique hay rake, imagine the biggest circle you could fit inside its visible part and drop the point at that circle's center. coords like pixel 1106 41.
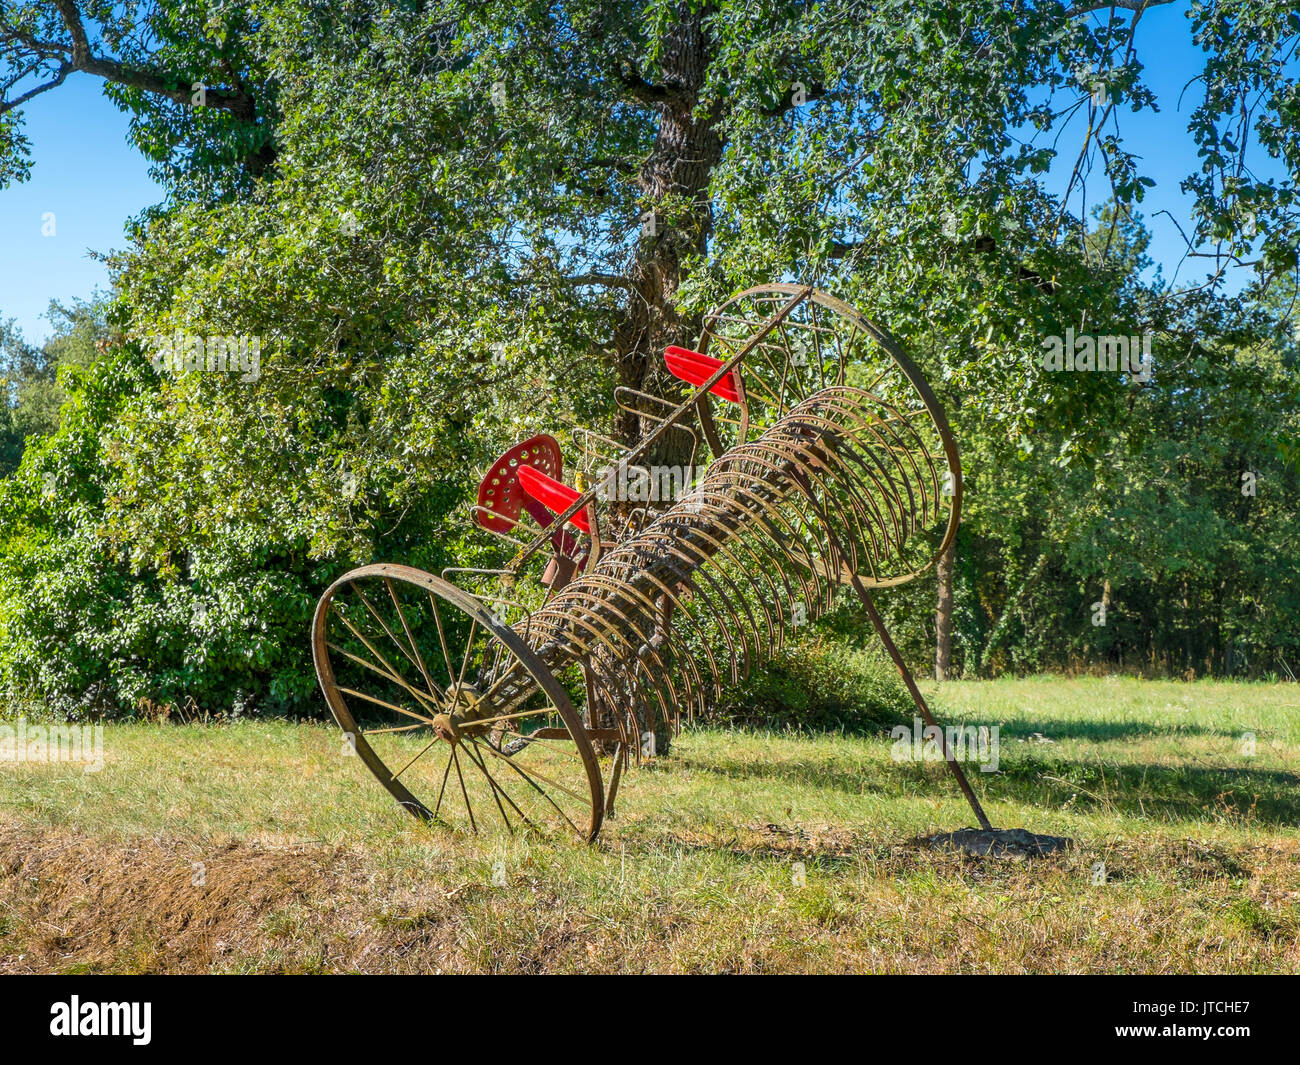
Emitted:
pixel 518 695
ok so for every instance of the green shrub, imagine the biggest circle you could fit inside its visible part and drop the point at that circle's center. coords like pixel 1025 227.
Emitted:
pixel 821 683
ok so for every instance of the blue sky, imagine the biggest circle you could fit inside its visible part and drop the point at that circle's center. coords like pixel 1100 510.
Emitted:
pixel 92 180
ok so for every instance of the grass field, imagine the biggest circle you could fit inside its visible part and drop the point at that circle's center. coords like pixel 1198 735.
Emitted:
pixel 258 847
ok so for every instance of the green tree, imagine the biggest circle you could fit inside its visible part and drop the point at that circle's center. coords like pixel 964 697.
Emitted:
pixel 451 224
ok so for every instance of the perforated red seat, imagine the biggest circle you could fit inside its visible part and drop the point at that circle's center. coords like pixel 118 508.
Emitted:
pixel 694 367
pixel 500 491
pixel 501 495
pixel 552 494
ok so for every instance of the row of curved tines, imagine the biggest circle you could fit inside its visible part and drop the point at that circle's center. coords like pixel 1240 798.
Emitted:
pixel 757 550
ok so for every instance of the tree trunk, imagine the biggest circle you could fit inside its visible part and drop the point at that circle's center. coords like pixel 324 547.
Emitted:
pixel 943 615
pixel 674 181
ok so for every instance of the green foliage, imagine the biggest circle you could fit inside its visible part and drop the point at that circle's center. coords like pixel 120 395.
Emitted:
pixel 430 217
pixel 86 630
pixel 818 684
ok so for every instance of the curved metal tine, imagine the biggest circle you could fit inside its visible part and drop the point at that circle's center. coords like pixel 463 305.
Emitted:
pixel 744 482
pixel 775 560
pixel 699 566
pixel 818 477
pixel 766 507
pixel 657 419
pixel 705 642
pixel 873 425
pixel 680 652
pixel 628 653
pixel 942 438
pixel 828 458
pixel 572 617
pixel 514 522
pixel 521 626
pixel 620 589
pixel 858 418
pixel 874 513
pixel 615 689
pixel 782 545
pixel 903 512
pixel 686 577
pixel 775 639
pixel 786 445
pixel 720 544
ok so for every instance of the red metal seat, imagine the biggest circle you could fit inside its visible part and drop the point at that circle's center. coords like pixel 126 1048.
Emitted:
pixel 694 367
pixel 502 494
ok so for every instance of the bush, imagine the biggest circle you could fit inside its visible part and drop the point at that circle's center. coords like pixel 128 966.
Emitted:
pixel 822 683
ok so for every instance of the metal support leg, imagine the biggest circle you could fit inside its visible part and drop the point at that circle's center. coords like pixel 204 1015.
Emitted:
pixel 878 622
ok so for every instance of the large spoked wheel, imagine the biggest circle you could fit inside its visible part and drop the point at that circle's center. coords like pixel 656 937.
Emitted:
pixel 450 709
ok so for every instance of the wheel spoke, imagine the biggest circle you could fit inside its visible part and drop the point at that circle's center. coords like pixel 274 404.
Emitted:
pixel 512 717
pixel 442 636
pixel 533 784
pixel 497 791
pixel 387 676
pixel 383 731
pixel 469 806
pixel 464 662
pixel 387 705
pixel 416 758
pixel 531 772
pixel 384 625
pixel 415 647
pixel 446 772
pixel 549 787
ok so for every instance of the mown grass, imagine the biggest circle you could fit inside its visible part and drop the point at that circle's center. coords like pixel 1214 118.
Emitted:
pixel 1187 857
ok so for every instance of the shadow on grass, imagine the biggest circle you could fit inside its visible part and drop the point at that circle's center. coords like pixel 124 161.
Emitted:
pixel 1170 792
pixel 1097 731
pixel 1019 729
pixel 1160 792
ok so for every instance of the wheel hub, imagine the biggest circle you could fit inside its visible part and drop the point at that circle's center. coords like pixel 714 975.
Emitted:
pixel 465 708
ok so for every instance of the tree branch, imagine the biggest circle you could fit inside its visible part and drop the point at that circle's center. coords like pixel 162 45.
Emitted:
pixel 64 70
pixel 239 103
pixel 644 92
pixel 1136 6
pixel 607 280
